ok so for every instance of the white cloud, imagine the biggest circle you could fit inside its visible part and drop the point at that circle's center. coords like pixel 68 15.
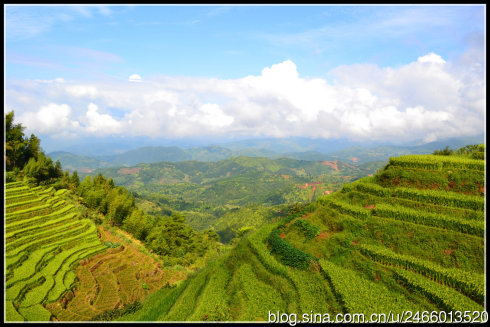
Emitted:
pixel 101 124
pixel 134 78
pixel 425 99
pixel 49 119
pixel 211 115
pixel 81 90
pixel 432 58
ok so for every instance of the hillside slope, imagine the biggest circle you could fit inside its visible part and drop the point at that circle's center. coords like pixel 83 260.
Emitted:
pixel 381 244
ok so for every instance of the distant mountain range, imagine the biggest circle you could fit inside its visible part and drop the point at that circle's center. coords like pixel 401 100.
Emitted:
pixel 297 148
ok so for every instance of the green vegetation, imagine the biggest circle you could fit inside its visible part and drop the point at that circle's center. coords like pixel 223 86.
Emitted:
pixel 289 255
pixel 445 297
pixel 220 194
pixel 470 283
pixel 40 251
pixel 369 297
pixel 24 156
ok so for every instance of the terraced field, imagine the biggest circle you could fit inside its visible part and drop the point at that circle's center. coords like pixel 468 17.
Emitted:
pixel 107 281
pixel 377 245
pixel 44 240
pixel 63 268
pixel 421 241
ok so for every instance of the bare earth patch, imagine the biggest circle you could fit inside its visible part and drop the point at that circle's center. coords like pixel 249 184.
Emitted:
pixel 323 235
pixel 448 251
pixel 332 164
pixel 369 206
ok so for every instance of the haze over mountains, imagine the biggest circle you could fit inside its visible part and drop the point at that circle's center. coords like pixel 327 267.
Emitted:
pixel 85 157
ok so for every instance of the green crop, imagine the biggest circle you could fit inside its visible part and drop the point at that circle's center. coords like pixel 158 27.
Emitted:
pixel 470 284
pixel 446 298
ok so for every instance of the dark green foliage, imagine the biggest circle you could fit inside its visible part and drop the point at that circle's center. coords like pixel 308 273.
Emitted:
pixel 475 151
pixel 444 152
pixel 42 170
pixel 172 238
pixel 15 143
pixel 111 244
pixel 23 153
pixel 116 313
pixel 138 224
pixel 289 255
pixel 308 229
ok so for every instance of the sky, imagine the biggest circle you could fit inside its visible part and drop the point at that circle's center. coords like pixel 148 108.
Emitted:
pixel 397 73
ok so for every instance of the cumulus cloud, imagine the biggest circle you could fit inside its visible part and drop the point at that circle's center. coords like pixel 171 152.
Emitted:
pixel 49 119
pixel 428 98
pixel 101 124
pixel 134 78
pixel 432 58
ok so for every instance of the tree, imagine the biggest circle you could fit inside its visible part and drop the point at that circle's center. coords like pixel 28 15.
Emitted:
pixel 42 169
pixel 14 142
pixel 32 149
pixel 74 179
pixel 137 224
pixel 444 152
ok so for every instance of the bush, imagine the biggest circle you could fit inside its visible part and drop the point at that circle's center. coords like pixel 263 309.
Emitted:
pixel 290 255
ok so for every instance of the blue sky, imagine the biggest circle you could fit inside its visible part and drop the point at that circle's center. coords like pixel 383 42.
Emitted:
pixel 73 63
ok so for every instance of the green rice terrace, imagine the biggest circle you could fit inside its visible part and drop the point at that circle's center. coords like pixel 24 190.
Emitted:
pixel 44 239
pixel 410 237
pixel 62 267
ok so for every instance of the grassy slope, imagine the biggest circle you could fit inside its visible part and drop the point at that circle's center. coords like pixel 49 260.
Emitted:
pixel 250 281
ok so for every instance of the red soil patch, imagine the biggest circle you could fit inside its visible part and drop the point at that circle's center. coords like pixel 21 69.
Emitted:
pixel 378 277
pixel 327 192
pixel 481 189
pixel 303 186
pixel 285 176
pixel 448 251
pixel 332 164
pixel 369 206
pixel 354 159
pixel 354 242
pixel 323 235
pixel 306 215
pixel 129 171
pixel 282 235
pixel 86 170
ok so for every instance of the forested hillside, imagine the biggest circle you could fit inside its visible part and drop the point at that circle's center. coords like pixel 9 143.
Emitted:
pixel 205 191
